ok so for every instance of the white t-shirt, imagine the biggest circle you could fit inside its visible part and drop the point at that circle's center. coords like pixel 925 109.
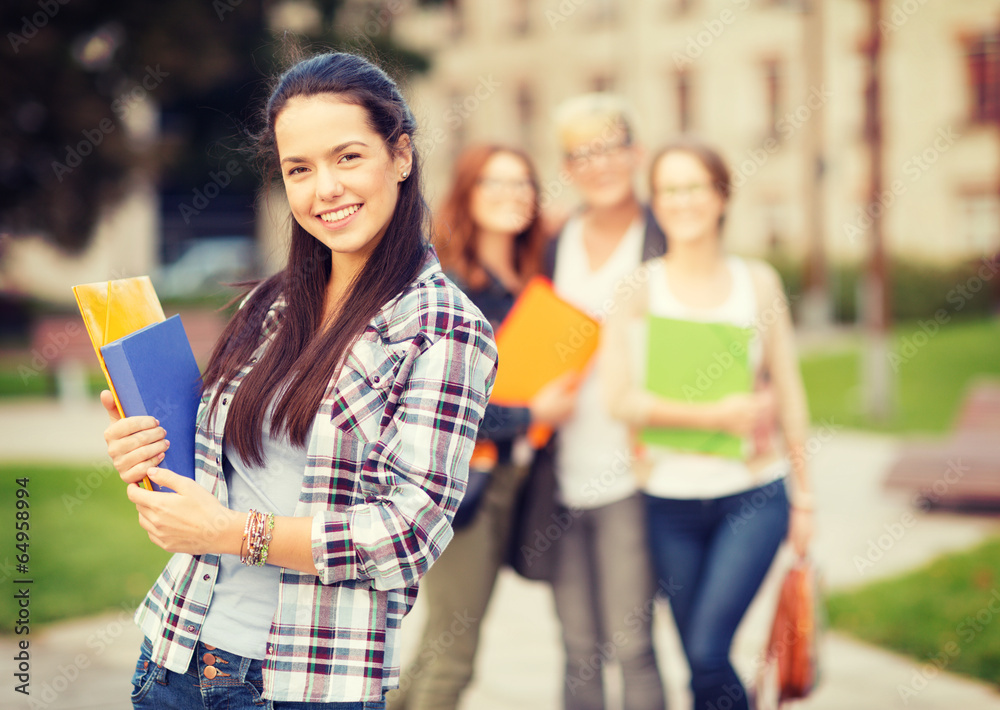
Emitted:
pixel 594 456
pixel 679 474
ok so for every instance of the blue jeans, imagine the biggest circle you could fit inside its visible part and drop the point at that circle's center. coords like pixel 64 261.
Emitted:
pixel 714 554
pixel 237 685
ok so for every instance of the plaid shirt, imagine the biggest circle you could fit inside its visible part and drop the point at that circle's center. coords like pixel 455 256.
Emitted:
pixel 388 459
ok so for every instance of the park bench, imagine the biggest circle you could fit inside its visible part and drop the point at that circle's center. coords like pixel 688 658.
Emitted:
pixel 963 470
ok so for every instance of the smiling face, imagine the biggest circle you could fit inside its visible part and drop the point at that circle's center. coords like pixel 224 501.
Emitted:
pixel 341 179
pixel 503 199
pixel 685 202
pixel 601 161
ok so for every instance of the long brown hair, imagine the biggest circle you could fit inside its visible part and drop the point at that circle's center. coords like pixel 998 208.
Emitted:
pixel 301 361
pixel 455 234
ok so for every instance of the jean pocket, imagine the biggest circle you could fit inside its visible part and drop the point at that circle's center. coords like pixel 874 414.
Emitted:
pixel 254 682
pixel 145 672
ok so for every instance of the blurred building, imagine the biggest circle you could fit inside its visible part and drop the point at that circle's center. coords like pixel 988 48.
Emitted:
pixel 767 81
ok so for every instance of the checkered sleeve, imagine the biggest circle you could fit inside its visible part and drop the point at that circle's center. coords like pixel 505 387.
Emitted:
pixel 414 476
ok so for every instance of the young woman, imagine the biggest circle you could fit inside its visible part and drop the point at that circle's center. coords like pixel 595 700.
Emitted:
pixel 714 523
pixel 338 416
pixel 491 241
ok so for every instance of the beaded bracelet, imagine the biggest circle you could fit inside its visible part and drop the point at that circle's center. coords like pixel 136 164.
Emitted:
pixel 266 541
pixel 257 535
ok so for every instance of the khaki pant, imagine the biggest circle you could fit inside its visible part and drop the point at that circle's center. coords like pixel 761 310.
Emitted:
pixel 604 595
pixel 457 589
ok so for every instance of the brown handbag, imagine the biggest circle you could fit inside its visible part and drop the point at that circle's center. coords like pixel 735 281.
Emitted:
pixel 793 645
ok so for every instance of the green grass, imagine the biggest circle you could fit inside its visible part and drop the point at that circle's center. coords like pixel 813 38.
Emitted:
pixel 947 612
pixel 87 551
pixel 932 375
pixel 15 383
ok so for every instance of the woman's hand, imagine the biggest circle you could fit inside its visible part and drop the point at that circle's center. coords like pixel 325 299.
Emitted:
pixel 554 403
pixel 190 520
pixel 134 443
pixel 740 414
pixel 800 530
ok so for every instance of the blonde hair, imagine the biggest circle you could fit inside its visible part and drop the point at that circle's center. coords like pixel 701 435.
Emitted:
pixel 593 116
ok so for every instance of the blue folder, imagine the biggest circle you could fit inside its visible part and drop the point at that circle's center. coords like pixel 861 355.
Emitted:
pixel 154 372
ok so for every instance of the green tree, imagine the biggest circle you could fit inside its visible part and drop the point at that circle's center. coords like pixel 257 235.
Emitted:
pixel 72 72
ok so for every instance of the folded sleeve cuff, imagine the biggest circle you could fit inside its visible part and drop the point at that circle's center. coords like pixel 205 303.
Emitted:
pixel 333 550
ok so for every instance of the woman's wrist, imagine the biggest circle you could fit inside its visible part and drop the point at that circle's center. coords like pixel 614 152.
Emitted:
pixel 230 528
pixel 803 501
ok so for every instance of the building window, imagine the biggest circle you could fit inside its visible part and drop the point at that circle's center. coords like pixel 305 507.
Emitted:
pixel 603 12
pixel 979 222
pixel 525 115
pixel 773 89
pixel 521 17
pixel 683 81
pixel 983 59
pixel 774 224
pixel 457 18
pixel 455 120
pixel 680 7
pixel 602 83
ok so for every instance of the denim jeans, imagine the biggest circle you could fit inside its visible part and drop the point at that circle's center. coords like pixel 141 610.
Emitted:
pixel 715 554
pixel 237 685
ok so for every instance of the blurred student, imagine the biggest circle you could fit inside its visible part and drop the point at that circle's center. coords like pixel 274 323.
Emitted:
pixel 602 571
pixel 715 523
pixel 491 242
pixel 338 416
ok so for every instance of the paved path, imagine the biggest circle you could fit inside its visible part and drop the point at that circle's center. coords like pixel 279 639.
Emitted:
pixel 863 534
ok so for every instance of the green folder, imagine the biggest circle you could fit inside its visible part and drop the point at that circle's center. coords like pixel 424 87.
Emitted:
pixel 694 361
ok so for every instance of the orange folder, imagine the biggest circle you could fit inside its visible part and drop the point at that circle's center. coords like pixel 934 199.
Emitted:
pixel 542 338
pixel 114 309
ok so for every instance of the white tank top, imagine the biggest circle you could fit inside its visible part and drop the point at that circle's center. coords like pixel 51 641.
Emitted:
pixel 680 474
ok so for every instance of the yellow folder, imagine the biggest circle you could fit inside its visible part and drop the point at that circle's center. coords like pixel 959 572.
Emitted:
pixel 114 309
